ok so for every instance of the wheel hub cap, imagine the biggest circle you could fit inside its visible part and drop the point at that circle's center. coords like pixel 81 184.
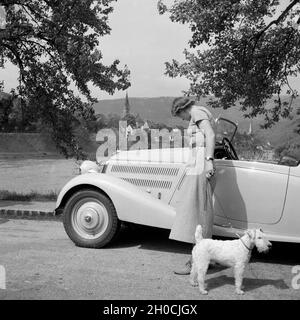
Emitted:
pixel 89 219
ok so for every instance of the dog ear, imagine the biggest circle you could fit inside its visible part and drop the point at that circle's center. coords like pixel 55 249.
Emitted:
pixel 250 233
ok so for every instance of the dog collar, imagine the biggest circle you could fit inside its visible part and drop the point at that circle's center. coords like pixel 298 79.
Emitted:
pixel 250 249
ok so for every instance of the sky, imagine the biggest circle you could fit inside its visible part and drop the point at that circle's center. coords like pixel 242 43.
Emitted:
pixel 143 40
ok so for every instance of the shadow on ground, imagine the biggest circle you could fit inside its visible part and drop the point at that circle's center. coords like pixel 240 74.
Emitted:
pixel 149 238
pixel 249 284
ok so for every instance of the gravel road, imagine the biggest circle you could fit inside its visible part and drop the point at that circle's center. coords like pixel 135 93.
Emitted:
pixel 42 263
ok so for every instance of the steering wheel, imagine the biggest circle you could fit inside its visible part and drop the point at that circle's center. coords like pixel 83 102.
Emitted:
pixel 227 145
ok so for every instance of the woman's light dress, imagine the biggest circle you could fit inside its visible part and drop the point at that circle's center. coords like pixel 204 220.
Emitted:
pixel 195 205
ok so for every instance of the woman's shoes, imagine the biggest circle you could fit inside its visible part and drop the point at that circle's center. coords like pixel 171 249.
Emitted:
pixel 186 269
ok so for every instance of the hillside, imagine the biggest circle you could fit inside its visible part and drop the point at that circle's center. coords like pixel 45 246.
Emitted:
pixel 158 110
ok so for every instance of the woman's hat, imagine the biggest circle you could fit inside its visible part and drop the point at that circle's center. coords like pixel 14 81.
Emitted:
pixel 180 104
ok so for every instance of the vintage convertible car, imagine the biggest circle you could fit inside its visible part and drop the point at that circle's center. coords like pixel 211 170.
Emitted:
pixel 142 187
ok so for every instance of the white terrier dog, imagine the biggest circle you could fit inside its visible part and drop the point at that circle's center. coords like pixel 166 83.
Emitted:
pixel 231 253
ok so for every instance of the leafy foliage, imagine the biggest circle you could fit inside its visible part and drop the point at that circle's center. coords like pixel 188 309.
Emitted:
pixel 55 43
pixel 246 145
pixel 240 51
pixel 130 118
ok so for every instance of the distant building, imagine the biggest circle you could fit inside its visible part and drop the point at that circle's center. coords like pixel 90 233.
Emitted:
pixel 145 126
pixel 250 128
pixel 129 131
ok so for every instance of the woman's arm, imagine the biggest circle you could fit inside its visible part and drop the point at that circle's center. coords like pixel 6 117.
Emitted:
pixel 209 137
pixel 210 145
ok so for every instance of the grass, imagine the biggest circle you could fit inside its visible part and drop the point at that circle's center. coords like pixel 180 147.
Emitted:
pixel 31 196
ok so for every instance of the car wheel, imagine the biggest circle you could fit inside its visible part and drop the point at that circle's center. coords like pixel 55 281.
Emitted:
pixel 90 219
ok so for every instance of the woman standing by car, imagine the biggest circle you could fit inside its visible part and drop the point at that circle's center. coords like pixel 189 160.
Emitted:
pixel 196 191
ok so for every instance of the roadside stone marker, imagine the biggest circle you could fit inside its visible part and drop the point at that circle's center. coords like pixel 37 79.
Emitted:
pixel 2 278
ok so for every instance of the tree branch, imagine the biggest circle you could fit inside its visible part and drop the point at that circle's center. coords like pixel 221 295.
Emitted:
pixel 280 18
pixel 54 59
pixel 25 9
pixel 276 21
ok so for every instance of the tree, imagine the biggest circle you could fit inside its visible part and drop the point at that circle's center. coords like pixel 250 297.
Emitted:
pixel 246 145
pixel 130 118
pixel 55 43
pixel 113 120
pixel 101 121
pixel 240 51
pixel 11 115
pixel 5 109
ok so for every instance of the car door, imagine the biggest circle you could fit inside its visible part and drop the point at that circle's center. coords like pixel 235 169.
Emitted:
pixel 249 192
pixel 289 225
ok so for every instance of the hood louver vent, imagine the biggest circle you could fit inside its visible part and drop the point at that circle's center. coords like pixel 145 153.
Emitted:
pixel 157 171
pixel 158 184
pixel 158 179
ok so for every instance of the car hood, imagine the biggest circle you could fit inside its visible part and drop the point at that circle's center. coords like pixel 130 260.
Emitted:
pixel 176 155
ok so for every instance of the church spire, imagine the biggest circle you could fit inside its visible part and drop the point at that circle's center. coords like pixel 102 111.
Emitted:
pixel 127 105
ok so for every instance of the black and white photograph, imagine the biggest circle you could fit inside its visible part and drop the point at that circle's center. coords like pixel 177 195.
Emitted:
pixel 149 151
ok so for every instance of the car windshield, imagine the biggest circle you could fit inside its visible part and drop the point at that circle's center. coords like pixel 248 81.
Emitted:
pixel 225 129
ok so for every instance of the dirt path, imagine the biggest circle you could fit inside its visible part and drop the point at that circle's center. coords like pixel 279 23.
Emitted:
pixel 42 263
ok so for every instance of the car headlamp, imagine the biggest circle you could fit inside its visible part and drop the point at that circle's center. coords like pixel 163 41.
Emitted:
pixel 89 167
pixel 102 165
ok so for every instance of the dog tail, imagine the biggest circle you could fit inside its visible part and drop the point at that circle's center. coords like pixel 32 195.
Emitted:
pixel 198 233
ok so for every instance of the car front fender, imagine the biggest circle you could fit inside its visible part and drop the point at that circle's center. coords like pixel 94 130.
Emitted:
pixel 131 203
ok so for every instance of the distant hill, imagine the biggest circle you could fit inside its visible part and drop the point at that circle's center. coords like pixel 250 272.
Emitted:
pixel 155 109
pixel 158 110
